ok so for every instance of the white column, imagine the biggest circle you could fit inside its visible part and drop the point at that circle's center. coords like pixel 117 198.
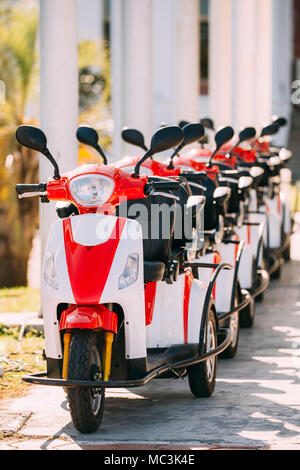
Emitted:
pixel 176 68
pixel 131 69
pixel 264 62
pixel 282 63
pixel 90 19
pixel 221 61
pixel 59 92
pixel 245 77
pixel 117 75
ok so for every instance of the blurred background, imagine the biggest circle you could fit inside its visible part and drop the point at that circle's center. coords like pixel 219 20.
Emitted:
pixel 111 63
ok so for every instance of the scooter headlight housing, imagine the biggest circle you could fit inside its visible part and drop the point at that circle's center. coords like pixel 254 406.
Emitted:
pixel 50 275
pixel 131 271
pixel 91 190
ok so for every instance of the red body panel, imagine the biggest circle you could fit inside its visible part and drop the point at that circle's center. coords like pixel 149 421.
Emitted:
pixel 196 166
pixel 150 292
pixel 89 266
pixel 189 278
pixel 96 317
pixel 159 169
pixel 125 187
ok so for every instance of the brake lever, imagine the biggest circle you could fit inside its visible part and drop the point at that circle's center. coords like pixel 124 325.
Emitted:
pixel 158 193
pixel 41 194
pixel 196 185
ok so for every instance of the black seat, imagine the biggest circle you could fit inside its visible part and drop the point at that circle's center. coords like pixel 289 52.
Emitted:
pixel 154 271
pixel 183 231
pixel 211 218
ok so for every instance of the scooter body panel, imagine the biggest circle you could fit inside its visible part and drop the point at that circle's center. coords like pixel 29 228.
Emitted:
pixel 222 292
pixel 177 312
pixel 88 231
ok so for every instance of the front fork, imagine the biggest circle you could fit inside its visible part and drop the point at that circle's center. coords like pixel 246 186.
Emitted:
pixel 107 354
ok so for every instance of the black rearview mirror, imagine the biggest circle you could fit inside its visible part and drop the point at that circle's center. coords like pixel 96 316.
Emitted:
pixel 182 124
pixel 134 137
pixel 208 123
pixel 280 121
pixel 89 136
pixel 32 137
pixel 270 130
pixel 223 136
pixel 248 133
pixel 35 139
pixel 163 139
pixel 192 133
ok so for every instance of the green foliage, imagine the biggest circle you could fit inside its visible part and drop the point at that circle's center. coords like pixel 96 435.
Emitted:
pixel 14 332
pixel 19 72
pixel 95 86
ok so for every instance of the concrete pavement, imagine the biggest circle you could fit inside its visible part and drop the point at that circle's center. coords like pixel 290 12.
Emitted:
pixel 256 403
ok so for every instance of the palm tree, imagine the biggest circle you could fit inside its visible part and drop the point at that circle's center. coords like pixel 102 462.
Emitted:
pixel 18 70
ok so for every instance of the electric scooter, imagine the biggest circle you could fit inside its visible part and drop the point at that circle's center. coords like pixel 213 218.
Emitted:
pixel 120 302
pixel 233 299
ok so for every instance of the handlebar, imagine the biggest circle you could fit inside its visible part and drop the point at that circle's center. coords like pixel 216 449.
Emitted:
pixel 31 188
pixel 194 176
pixel 161 186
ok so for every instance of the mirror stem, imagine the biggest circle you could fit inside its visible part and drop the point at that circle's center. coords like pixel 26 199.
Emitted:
pixel 100 151
pixel 209 164
pixel 174 154
pixel 54 163
pixel 136 173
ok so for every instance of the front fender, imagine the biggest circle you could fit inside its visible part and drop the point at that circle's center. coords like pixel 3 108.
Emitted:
pixel 95 317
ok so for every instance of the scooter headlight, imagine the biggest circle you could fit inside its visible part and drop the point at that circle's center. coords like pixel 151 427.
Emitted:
pixel 91 190
pixel 131 271
pixel 50 276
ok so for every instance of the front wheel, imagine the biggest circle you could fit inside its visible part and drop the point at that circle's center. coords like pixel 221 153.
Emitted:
pixel 202 376
pixel 277 274
pixel 234 326
pixel 85 363
pixel 247 315
pixel 286 255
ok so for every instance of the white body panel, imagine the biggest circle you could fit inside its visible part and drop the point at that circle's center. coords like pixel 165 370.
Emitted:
pixel 224 284
pixel 131 299
pixel 167 327
pixel 273 209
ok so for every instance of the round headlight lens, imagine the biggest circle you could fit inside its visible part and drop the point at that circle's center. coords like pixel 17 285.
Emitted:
pixel 92 190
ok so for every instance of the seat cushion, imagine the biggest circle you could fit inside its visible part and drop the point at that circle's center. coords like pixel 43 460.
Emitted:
pixel 154 271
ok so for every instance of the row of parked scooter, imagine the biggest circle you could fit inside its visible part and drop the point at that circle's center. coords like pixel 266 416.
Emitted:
pixel 152 267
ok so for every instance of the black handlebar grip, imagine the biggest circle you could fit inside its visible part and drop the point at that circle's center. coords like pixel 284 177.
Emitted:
pixel 194 176
pixel 166 185
pixel 31 188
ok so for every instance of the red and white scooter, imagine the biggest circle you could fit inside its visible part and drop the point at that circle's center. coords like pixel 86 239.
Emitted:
pixel 120 307
pixel 234 305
